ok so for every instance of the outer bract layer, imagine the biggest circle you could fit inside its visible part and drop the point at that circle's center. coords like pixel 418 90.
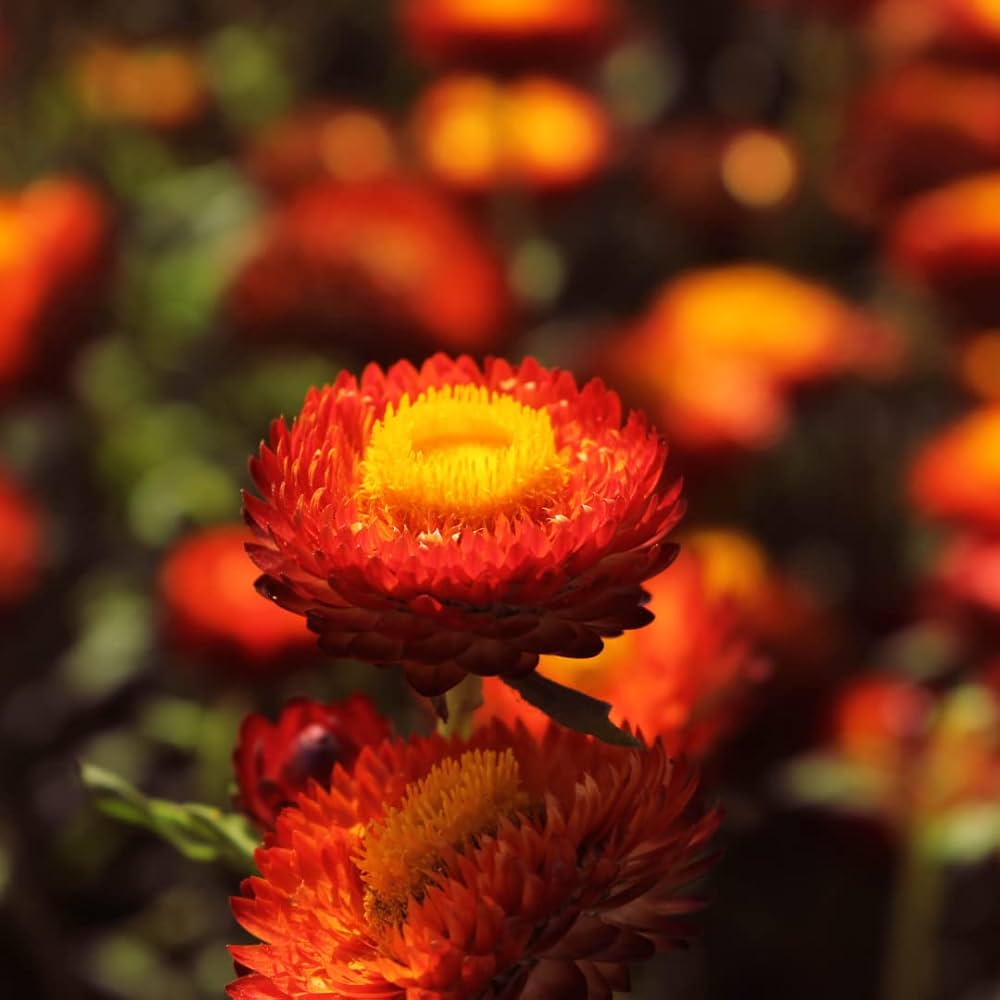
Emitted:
pixel 274 761
pixel 500 868
pixel 462 520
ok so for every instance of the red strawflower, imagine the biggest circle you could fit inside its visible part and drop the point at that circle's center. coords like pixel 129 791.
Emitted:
pixel 321 142
pixel 212 610
pixel 520 30
pixel 21 534
pixel 461 520
pixel 52 239
pixel 913 129
pixel 275 761
pixel 956 474
pixel 949 240
pixel 683 678
pixel 382 261
pixel 503 867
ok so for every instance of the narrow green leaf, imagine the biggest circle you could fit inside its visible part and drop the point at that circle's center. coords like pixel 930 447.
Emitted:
pixel 571 708
pixel 199 832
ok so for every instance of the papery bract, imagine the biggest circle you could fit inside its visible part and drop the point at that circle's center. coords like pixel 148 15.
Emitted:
pixel 457 519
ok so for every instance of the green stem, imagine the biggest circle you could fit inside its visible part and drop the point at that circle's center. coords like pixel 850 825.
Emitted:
pixel 462 701
pixel 909 964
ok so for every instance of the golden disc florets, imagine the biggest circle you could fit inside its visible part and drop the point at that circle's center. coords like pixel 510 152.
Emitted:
pixel 459 799
pixel 461 452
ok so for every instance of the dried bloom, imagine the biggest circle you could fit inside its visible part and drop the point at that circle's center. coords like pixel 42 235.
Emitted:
pixel 21 531
pixel 275 761
pixel 52 237
pixel 778 611
pixel 956 474
pixel 321 142
pixel 474 133
pixel 384 261
pixel 979 364
pixel 508 866
pixel 520 30
pixel 684 678
pixel 915 128
pixel 212 610
pixel 462 520
pixel 161 86
pixel 949 240
pixel 968 571
pixel 718 351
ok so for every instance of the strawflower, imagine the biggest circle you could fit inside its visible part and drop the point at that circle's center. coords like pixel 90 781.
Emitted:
pixel 474 133
pixel 949 241
pixel 956 474
pixel 275 761
pixel 913 129
pixel 320 142
pixel 718 351
pixel 211 610
pixel 21 531
pixel 519 30
pixel 684 678
pixel 52 240
pixel 504 867
pixel 387 262
pixel 918 755
pixel 457 519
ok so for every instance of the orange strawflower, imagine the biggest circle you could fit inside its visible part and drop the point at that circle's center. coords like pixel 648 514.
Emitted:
pixel 52 238
pixel 913 129
pixel 462 520
pixel 508 865
pixel 684 678
pixel 718 350
pixel 979 364
pixel 275 761
pixel 474 133
pixel 162 86
pixel 949 240
pixel 385 260
pixel 951 27
pixel 918 755
pixel 520 30
pixel 20 551
pixel 345 144
pixel 212 610
pixel 956 474
pixel 778 611
pixel 968 571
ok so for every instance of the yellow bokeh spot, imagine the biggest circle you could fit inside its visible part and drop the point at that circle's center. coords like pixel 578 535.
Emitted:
pixel 459 455
pixel 759 169
pixel 458 800
pixel 734 566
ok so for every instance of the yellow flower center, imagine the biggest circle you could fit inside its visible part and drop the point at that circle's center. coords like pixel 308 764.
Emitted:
pixel 460 454
pixel 458 800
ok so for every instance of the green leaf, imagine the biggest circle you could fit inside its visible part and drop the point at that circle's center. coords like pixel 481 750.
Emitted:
pixel 966 834
pixel 198 831
pixel 828 780
pixel 571 708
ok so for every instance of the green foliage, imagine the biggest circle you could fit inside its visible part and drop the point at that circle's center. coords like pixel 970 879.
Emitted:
pixel 571 708
pixel 200 832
